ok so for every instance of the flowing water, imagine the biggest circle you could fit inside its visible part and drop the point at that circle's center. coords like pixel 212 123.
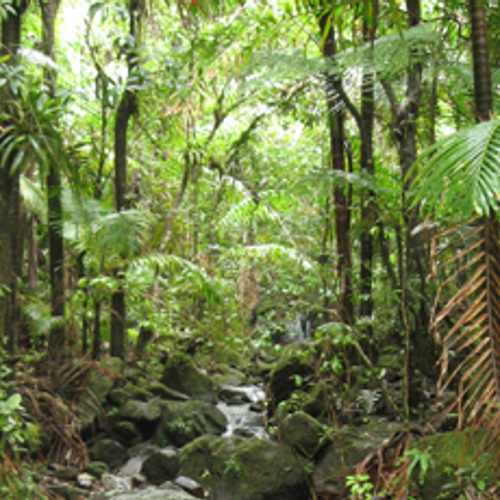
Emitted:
pixel 242 418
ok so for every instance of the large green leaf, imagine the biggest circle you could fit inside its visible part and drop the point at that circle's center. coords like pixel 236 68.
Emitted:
pixel 460 175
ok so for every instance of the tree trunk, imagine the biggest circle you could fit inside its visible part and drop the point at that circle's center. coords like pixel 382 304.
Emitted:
pixel 481 61
pixel 32 254
pixel 367 166
pixel 484 108
pixel 333 85
pixel 57 337
pixel 9 194
pixel 126 109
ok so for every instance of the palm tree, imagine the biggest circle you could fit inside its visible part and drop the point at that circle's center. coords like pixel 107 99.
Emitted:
pixel 460 176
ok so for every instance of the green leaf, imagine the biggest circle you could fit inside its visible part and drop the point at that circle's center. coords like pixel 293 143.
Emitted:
pixel 11 405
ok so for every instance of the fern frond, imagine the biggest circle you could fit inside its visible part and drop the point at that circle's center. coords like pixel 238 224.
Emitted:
pixel 192 274
pixel 277 254
pixel 123 232
pixel 96 228
pixel 392 53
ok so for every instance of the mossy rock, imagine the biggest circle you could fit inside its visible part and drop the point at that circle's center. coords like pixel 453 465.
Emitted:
pixel 290 371
pixel 317 403
pixel 162 391
pixel 182 422
pixel 97 469
pixel 348 446
pixel 138 392
pixel 140 411
pixel 167 491
pixel 448 452
pixel 223 354
pixel 120 395
pixel 229 375
pixel 100 384
pixel 182 375
pixel 109 451
pixel 161 466
pixel 304 434
pixel 127 433
pixel 68 492
pixel 244 469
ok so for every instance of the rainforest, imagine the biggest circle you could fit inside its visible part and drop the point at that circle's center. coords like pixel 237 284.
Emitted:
pixel 249 250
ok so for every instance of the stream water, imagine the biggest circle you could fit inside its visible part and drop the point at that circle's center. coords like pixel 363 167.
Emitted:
pixel 245 418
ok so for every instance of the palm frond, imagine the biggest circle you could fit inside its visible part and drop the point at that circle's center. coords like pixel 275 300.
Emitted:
pixel 33 197
pixel 471 346
pixel 460 174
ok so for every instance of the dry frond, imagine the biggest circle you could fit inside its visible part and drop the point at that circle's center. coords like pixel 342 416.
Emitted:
pixel 468 325
pixel 386 466
pixel 51 396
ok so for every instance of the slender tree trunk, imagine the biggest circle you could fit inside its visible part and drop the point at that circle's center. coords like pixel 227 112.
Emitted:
pixel 126 109
pixel 9 193
pixel 96 341
pixel 32 254
pixel 481 61
pixel 367 166
pixel 57 337
pixel 333 85
pixel 367 200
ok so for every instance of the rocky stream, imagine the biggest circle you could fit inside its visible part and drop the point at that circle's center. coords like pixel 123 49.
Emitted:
pixel 227 436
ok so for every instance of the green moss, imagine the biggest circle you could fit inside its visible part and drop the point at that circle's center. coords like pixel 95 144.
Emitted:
pixel 182 375
pixel 183 422
pixel 304 434
pixel 450 452
pixel 246 469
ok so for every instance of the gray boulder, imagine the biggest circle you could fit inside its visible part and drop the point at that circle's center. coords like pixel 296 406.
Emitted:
pixel 112 482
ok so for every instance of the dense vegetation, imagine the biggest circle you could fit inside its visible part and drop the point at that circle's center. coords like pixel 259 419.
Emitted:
pixel 227 176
